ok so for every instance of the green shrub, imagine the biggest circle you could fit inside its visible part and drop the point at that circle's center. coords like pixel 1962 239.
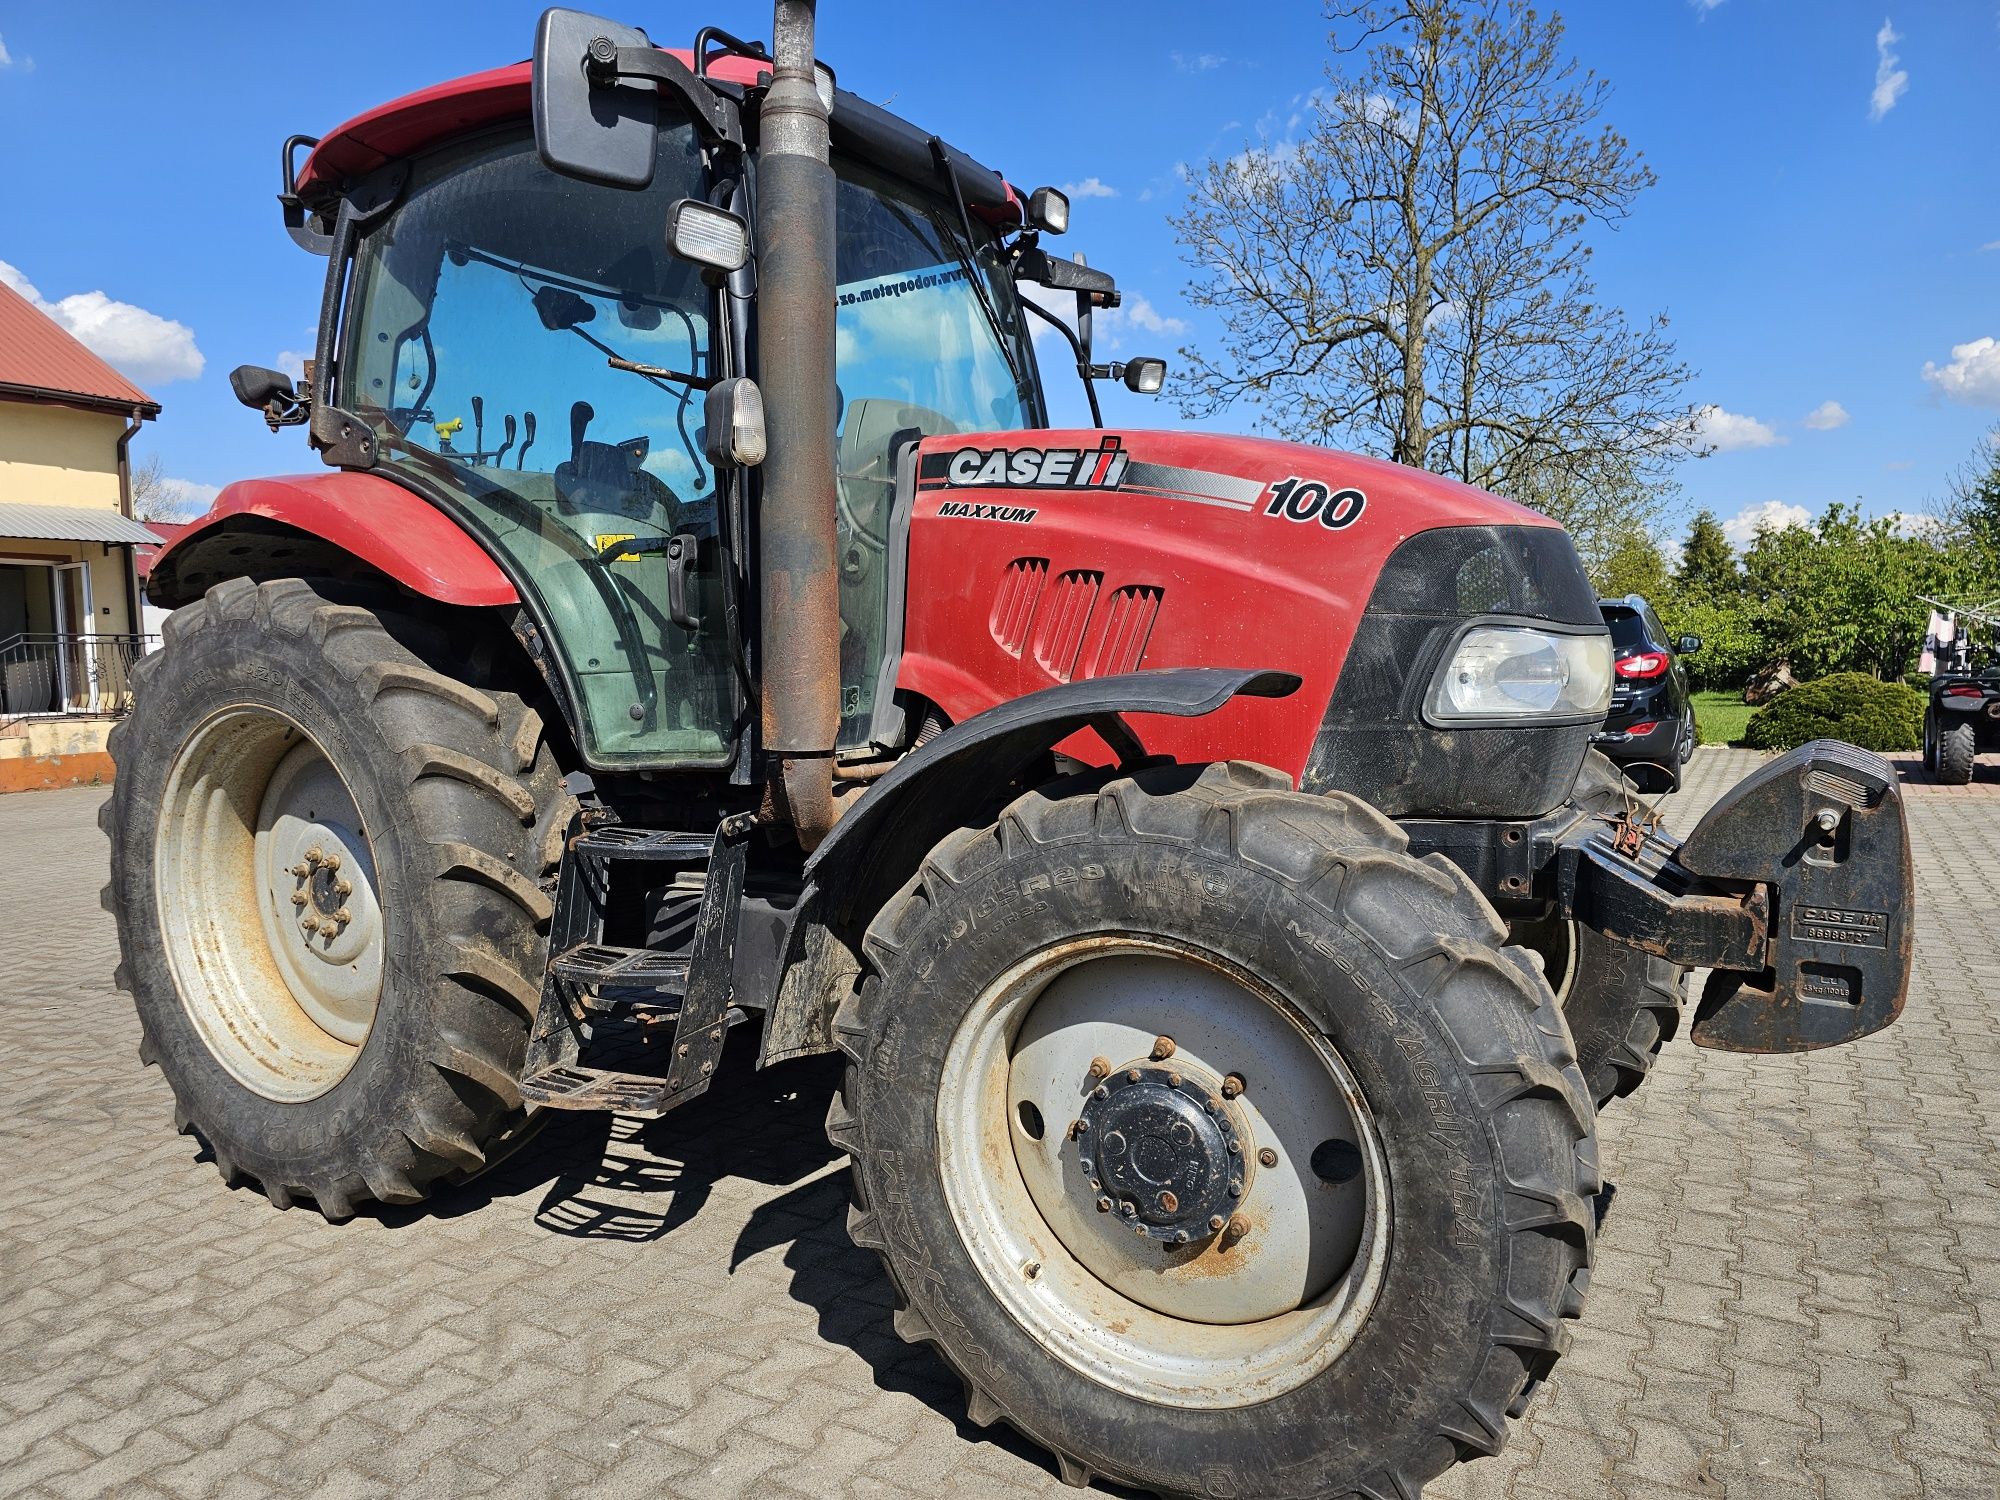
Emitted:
pixel 1847 706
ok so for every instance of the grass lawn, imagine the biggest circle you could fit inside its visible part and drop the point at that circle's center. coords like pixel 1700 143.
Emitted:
pixel 1722 716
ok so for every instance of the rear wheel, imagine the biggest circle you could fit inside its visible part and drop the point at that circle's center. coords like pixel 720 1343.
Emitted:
pixel 327 866
pixel 1623 1005
pixel 1215 1141
pixel 1957 751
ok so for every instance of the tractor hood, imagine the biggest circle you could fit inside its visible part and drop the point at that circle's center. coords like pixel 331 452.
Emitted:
pixel 1040 557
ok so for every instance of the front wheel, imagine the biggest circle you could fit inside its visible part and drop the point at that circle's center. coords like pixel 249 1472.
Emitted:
pixel 1217 1142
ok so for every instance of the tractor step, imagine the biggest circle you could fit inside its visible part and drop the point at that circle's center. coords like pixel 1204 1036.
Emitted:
pixel 644 1095
pixel 633 968
pixel 596 1088
pixel 606 1007
pixel 621 842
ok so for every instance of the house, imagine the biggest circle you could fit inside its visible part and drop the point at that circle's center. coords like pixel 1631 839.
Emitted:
pixel 70 624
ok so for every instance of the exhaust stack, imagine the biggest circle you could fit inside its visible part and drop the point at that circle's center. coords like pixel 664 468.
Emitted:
pixel 796 544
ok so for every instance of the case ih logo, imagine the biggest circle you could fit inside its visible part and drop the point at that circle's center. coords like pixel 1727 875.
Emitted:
pixel 1099 468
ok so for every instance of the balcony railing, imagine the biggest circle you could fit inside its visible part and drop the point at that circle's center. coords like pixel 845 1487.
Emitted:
pixel 67 676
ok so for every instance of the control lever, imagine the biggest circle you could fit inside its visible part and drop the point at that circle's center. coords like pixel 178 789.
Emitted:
pixel 500 456
pixel 682 550
pixel 521 459
pixel 478 430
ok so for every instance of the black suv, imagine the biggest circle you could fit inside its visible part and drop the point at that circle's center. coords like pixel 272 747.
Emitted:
pixel 1650 729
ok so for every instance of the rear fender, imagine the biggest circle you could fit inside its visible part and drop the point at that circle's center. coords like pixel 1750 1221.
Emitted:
pixel 320 516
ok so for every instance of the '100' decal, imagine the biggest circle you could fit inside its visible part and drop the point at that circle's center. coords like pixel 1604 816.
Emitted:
pixel 1309 500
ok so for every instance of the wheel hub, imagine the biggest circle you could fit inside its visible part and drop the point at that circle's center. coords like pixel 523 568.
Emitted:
pixel 1162 1147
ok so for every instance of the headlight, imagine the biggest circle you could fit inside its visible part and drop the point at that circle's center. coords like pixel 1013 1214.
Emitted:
pixel 1500 672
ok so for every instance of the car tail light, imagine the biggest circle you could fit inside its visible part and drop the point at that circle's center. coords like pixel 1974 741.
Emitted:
pixel 1646 664
pixel 1646 728
pixel 1965 690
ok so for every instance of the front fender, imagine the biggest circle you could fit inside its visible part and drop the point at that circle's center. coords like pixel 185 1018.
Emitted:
pixel 947 783
pixel 369 517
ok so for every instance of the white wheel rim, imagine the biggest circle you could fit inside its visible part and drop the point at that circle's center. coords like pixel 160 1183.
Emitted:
pixel 1224 1319
pixel 269 904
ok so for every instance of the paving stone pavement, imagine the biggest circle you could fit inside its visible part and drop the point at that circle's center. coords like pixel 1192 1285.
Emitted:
pixel 1797 1289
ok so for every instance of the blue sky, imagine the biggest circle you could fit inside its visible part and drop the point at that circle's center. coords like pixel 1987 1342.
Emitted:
pixel 1826 228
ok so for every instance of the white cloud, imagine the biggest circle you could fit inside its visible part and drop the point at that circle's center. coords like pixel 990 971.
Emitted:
pixel 181 499
pixel 1109 326
pixel 1973 376
pixel 1090 187
pixel 1143 315
pixel 1890 80
pixel 293 362
pixel 1704 6
pixel 1721 431
pixel 1826 416
pixel 1199 62
pixel 1991 245
pixel 1916 524
pixel 1771 515
pixel 6 57
pixel 149 348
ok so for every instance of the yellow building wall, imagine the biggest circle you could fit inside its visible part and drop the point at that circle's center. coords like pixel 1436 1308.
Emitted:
pixel 56 455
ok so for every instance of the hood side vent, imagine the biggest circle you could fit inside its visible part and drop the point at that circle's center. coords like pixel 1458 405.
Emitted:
pixel 1128 618
pixel 1014 604
pixel 1063 619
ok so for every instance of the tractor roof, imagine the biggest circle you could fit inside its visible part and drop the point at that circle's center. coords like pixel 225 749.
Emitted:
pixel 407 125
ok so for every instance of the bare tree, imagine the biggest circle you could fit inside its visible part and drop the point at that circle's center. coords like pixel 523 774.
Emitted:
pixel 1410 275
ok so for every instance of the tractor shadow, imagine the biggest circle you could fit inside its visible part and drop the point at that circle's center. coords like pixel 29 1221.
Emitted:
pixel 608 1177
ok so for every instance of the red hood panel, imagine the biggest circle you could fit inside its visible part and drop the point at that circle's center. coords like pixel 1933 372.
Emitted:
pixel 1040 557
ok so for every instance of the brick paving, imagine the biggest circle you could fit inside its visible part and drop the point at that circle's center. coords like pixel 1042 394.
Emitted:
pixel 1797 1290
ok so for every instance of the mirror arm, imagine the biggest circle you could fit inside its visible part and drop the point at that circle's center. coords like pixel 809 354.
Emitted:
pixel 1083 365
pixel 717 117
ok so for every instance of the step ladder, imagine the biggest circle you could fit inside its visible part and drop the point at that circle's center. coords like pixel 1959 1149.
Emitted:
pixel 610 1015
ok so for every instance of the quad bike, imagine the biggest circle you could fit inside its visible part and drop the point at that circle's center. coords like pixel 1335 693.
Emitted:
pixel 1146 816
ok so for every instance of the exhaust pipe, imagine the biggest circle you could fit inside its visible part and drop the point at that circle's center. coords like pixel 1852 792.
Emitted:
pixel 796 542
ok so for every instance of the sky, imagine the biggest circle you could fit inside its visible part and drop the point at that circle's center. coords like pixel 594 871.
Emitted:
pixel 1824 235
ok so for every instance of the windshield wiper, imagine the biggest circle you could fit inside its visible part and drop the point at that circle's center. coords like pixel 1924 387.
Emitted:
pixel 967 254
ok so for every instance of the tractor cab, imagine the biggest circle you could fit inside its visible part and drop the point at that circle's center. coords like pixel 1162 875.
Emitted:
pixel 533 346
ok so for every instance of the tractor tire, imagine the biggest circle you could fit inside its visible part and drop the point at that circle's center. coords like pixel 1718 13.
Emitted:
pixel 292 759
pixel 1380 1225
pixel 1622 1004
pixel 1957 750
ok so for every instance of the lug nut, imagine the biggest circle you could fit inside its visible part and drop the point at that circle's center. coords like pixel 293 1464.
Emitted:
pixel 300 871
pixel 1163 1048
pixel 1104 1205
pixel 1238 1226
pixel 1132 1075
pixel 1235 1148
pixel 1267 1157
pixel 1169 1203
pixel 1100 1067
pixel 1216 1221
pixel 1233 1085
pixel 332 862
pixel 298 898
pixel 1128 1209
pixel 314 855
pixel 1173 1080
pixel 343 917
pixel 1180 1236
pixel 343 888
pixel 1077 1128
pixel 1236 1187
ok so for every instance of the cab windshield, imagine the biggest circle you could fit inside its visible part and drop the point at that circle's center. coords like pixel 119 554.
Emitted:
pixel 524 343
pixel 928 341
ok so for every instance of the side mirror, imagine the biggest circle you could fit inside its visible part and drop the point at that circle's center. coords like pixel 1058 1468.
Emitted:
pixel 258 387
pixel 1688 644
pixel 586 128
pixel 733 424
pixel 1145 375
pixel 707 235
pixel 1048 210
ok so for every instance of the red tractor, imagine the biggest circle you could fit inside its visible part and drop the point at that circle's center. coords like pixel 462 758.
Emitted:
pixel 1191 841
